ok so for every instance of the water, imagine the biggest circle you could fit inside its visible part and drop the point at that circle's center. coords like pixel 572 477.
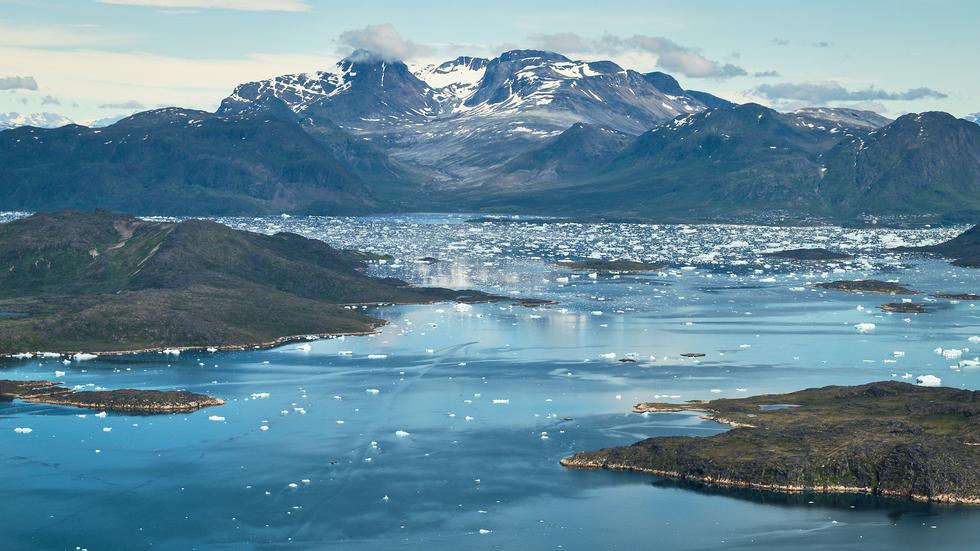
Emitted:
pixel 467 463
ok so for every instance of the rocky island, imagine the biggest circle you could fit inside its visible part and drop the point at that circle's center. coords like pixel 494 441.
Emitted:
pixel 596 265
pixel 866 286
pixel 808 255
pixel 126 400
pixel 102 282
pixel 885 438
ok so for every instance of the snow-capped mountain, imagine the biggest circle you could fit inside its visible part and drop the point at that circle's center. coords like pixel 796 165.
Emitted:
pixel 460 117
pixel 40 120
pixel 973 117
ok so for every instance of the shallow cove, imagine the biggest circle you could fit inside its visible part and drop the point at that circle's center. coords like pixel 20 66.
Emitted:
pixel 211 477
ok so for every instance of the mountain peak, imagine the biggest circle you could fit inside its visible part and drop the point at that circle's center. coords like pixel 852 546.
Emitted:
pixel 519 55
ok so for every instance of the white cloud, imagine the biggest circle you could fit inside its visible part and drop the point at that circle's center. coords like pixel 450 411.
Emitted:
pixel 242 5
pixel 669 55
pixel 823 91
pixel 53 36
pixel 96 77
pixel 384 42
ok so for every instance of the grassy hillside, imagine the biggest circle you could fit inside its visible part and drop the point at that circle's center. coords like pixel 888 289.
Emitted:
pixel 98 281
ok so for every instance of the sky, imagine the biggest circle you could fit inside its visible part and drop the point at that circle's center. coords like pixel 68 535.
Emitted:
pixel 97 59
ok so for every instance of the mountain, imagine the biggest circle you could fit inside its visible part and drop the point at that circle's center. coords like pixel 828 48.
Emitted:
pixel 973 117
pixel 964 248
pixel 722 161
pixel 98 281
pixel 38 120
pixel 749 160
pixel 563 157
pixel 927 162
pixel 455 120
pixel 837 119
pixel 179 161
pixel 669 85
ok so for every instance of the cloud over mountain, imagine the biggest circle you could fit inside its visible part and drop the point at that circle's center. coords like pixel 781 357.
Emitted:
pixel 384 42
pixel 671 56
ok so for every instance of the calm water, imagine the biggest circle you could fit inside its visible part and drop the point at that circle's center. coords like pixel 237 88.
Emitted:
pixel 452 439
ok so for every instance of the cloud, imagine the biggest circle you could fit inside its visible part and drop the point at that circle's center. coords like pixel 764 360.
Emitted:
pixel 94 77
pixel 780 42
pixel 240 5
pixel 18 83
pixel 131 104
pixel 670 56
pixel 766 74
pixel 821 44
pixel 50 100
pixel 821 92
pixel 383 42
pixel 55 36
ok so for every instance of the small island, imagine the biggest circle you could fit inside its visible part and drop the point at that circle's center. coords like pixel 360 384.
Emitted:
pixel 866 286
pixel 808 255
pixel 885 438
pixel 101 282
pixel 903 308
pixel 957 296
pixel 597 265
pixel 125 400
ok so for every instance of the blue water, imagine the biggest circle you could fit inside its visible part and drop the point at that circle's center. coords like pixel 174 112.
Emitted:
pixel 429 459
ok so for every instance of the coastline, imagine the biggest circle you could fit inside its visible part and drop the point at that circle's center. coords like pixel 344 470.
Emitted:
pixel 572 463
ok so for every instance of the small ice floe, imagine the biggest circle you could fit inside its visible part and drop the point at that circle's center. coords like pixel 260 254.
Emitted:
pixel 597 312
pixel 501 400
pixel 293 485
pixel 101 415
pixel 907 376
pixel 263 427
pixel 59 373
pixel 974 339
pixel 216 418
pixel 82 356
pixel 23 430
pixel 305 347
pixel 402 433
pixel 950 353
pixel 484 531
pixel 544 435
pixel 372 391
pixel 608 356
pixel 106 429
pixel 898 354
pixel 345 352
pixel 66 362
pixel 715 391
pixel 463 307
pixel 928 380
pixel 975 362
pixel 171 351
pixel 377 356
pixel 212 349
pixel 865 327
pixel 258 395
